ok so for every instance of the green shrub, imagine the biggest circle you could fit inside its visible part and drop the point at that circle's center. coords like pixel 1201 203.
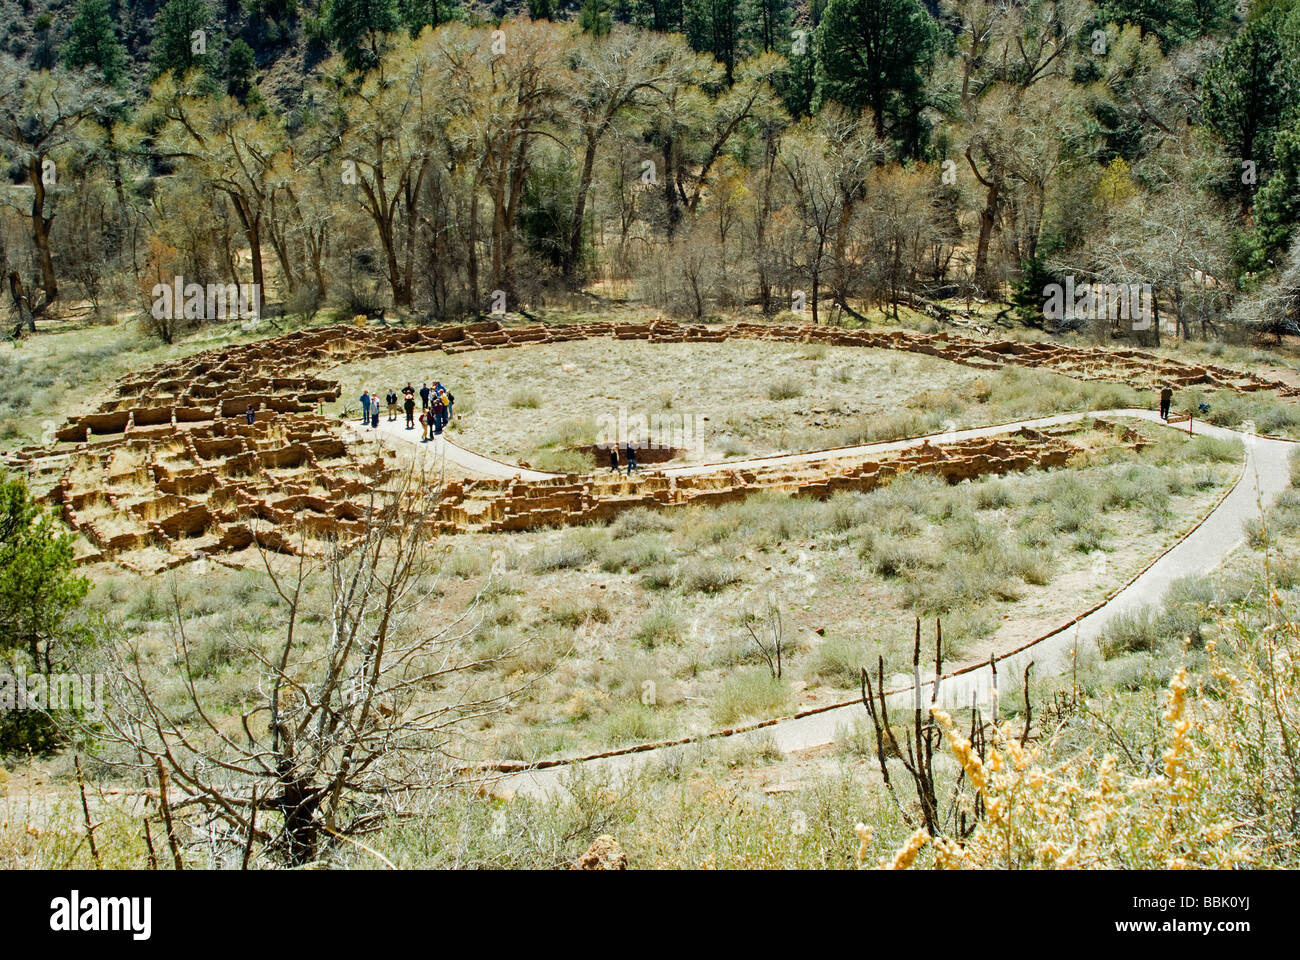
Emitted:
pixel 749 693
pixel 639 520
pixel 662 623
pixel 575 549
pixel 633 723
pixel 1216 449
pixel 660 576
pixel 894 557
pixel 1150 629
pixel 633 555
pixel 992 495
pixel 468 564
pixel 562 461
pixel 786 388
pixel 708 576
pixel 839 660
pixel 572 612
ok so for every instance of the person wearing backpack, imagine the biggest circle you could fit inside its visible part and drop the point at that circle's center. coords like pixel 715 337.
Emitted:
pixel 424 426
pixel 392 404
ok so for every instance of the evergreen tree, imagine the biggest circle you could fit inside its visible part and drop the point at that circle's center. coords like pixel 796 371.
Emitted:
pixel 1277 205
pixel 878 54
pixel 359 28
pixel 595 17
pixel 713 26
pixel 797 85
pixel 1213 16
pixel 39 589
pixel 1173 21
pixel 1250 91
pixel 44 55
pixel 183 37
pixel 38 585
pixel 661 15
pixel 766 25
pixel 418 14
pixel 241 65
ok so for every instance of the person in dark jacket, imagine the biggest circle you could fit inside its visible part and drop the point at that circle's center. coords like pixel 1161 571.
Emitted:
pixel 629 455
pixel 438 412
pixel 409 404
pixel 613 459
pixel 392 404
pixel 441 393
pixel 1166 399
pixel 424 397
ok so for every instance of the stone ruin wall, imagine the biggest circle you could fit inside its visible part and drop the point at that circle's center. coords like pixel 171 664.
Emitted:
pixel 166 467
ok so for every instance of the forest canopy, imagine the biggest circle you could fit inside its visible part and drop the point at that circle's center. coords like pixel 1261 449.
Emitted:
pixel 439 159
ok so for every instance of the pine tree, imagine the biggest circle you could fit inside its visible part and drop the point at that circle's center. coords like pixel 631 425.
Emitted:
pixel 595 18
pixel 1172 21
pixel 713 26
pixel 878 55
pixel 183 37
pixel 1250 91
pixel 359 27
pixel 418 14
pixel 1276 206
pixel 241 64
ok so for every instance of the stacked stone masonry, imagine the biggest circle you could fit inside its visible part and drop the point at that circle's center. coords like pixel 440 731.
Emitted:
pixel 167 468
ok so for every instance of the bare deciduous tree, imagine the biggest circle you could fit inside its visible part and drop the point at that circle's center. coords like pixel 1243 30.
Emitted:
pixel 358 708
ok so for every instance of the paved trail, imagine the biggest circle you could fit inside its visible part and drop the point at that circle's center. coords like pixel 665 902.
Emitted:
pixel 1265 474
pixel 440 447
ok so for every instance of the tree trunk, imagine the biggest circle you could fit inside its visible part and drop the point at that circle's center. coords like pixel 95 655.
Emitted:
pixel 21 305
pixel 760 234
pixel 41 230
pixel 670 187
pixel 471 244
pixel 574 250
pixel 988 220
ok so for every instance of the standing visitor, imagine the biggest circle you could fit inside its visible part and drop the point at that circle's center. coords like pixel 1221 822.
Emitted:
pixel 424 397
pixel 365 406
pixel 392 404
pixel 1166 399
pixel 441 393
pixel 409 404
pixel 438 411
